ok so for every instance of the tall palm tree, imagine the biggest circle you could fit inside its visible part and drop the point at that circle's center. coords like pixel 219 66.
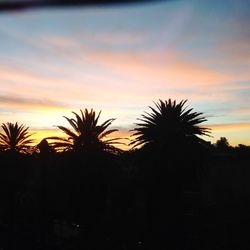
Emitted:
pixel 15 137
pixel 86 134
pixel 169 123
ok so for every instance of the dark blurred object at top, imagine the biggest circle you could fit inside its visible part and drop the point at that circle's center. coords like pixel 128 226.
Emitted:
pixel 9 5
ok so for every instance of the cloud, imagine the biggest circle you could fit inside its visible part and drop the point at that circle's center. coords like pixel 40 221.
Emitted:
pixel 111 76
pixel 229 126
pixel 147 65
pixel 153 68
pixel 21 102
pixel 18 80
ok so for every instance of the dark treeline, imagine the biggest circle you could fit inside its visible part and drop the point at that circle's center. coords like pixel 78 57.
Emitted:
pixel 173 190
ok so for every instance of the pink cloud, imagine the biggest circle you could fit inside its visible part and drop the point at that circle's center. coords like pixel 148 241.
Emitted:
pixel 154 68
pixel 229 126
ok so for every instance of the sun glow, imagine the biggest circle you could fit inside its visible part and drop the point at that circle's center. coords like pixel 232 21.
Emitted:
pixel 38 135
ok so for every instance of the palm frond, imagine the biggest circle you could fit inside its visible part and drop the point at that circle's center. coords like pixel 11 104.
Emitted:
pixel 88 134
pixel 168 121
pixel 15 137
pixel 68 132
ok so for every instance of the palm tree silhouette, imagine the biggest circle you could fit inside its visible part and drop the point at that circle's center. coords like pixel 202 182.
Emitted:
pixel 169 155
pixel 87 135
pixel 15 138
pixel 168 124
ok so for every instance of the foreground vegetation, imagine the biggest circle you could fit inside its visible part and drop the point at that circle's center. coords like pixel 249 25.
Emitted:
pixel 173 190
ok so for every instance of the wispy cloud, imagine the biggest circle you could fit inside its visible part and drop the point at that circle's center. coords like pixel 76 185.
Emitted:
pixel 229 126
pixel 22 102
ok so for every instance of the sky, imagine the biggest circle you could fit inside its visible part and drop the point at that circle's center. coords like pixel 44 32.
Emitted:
pixel 122 58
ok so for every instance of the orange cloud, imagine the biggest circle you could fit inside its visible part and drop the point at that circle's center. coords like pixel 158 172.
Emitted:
pixel 143 67
pixel 229 126
pixel 22 102
pixel 154 68
pixel 110 76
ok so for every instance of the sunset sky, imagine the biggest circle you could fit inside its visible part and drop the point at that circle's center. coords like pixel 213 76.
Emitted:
pixel 121 58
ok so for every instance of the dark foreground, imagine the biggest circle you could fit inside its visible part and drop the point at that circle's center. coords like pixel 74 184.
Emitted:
pixel 128 201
